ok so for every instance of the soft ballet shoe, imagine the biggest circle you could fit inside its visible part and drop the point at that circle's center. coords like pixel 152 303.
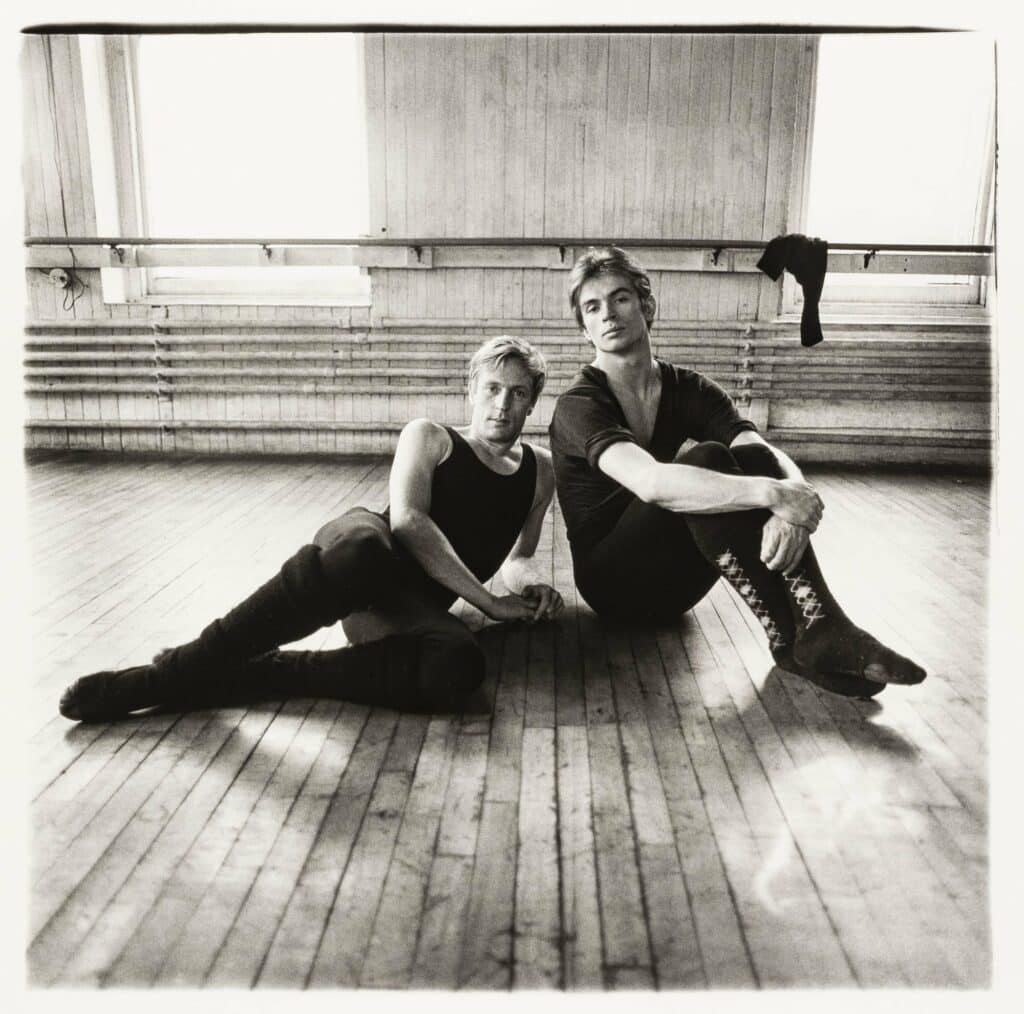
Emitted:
pixel 854 653
pixel 834 682
pixel 108 695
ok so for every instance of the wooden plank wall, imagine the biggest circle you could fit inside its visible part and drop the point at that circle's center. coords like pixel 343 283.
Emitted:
pixel 654 136
pixel 55 169
pixel 659 136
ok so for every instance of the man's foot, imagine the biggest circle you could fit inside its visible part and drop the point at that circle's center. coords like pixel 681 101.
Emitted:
pixel 847 650
pixel 834 682
pixel 105 696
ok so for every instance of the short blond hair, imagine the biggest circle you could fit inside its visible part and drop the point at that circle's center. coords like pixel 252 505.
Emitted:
pixel 496 351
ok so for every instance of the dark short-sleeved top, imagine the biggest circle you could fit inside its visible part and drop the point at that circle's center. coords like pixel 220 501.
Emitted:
pixel 588 419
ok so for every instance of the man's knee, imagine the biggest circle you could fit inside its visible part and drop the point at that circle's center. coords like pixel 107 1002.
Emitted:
pixel 360 559
pixel 452 666
pixel 740 459
pixel 756 459
pixel 710 454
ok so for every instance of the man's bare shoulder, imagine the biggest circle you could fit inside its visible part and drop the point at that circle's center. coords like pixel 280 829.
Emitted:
pixel 426 434
pixel 543 456
pixel 545 470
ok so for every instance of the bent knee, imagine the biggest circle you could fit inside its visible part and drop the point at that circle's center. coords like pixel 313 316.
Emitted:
pixel 711 455
pixel 756 459
pixel 361 557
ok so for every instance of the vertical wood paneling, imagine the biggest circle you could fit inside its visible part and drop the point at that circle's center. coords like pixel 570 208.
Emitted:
pixel 422 143
pixel 658 177
pixel 452 54
pixel 680 136
pixel 514 166
pixel 560 109
pixel 474 142
pixel 802 132
pixel 697 156
pixel 593 117
pixel 81 167
pixel 397 51
pixel 726 172
pixel 703 80
pixel 637 87
pixel 121 89
pixel 71 180
pixel 534 143
pixel 491 140
pixel 37 137
pixel 619 156
pixel 780 155
pixel 780 138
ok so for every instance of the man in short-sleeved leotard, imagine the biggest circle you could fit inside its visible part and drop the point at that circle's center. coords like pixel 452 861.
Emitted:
pixel 665 488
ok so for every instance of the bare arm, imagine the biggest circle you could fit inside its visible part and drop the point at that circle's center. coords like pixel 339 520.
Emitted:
pixel 693 490
pixel 789 467
pixel 519 571
pixel 422 446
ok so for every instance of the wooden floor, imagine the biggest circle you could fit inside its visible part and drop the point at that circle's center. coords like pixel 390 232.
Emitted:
pixel 653 809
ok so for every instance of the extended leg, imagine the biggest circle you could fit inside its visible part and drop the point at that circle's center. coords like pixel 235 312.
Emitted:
pixel 321 583
pixel 432 665
pixel 802 619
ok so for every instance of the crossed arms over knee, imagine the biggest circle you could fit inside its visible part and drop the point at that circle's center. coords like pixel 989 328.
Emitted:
pixel 694 490
pixel 795 505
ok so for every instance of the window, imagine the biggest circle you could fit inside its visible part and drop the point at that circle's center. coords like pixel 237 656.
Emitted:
pixel 250 136
pixel 901 151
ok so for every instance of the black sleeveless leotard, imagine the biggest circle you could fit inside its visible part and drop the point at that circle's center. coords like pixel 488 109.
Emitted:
pixel 480 511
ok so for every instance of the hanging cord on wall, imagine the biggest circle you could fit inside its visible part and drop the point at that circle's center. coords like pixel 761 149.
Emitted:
pixel 71 293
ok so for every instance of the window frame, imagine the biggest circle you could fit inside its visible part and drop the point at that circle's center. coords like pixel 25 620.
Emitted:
pixel 879 301
pixel 115 103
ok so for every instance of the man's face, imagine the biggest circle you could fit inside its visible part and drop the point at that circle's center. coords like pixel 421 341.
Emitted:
pixel 502 398
pixel 613 318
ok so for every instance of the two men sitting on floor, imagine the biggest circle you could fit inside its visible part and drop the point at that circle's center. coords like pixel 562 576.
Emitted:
pixel 652 521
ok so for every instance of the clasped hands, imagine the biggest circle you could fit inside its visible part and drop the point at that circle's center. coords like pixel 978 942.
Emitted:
pixel 782 544
pixel 788 530
pixel 535 602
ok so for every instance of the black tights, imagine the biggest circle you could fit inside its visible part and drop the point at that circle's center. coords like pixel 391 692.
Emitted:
pixel 406 650
pixel 399 601
pixel 650 565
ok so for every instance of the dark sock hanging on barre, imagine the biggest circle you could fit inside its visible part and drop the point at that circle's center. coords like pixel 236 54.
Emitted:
pixel 806 259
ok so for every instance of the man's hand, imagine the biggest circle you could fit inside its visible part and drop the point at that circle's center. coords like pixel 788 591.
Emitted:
pixel 782 544
pixel 510 607
pixel 797 502
pixel 546 601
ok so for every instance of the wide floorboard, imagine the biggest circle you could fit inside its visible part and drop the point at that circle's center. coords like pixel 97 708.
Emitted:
pixel 652 808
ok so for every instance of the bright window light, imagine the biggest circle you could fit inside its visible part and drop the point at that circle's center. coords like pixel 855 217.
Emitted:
pixel 257 136
pixel 901 152
pixel 899 143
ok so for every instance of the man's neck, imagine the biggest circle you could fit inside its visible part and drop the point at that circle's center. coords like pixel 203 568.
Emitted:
pixel 633 369
pixel 496 449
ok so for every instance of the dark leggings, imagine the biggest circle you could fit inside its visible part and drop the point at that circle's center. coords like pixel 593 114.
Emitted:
pixel 648 567
pixel 358 550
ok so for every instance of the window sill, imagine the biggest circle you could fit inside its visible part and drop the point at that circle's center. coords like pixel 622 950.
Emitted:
pixel 897 314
